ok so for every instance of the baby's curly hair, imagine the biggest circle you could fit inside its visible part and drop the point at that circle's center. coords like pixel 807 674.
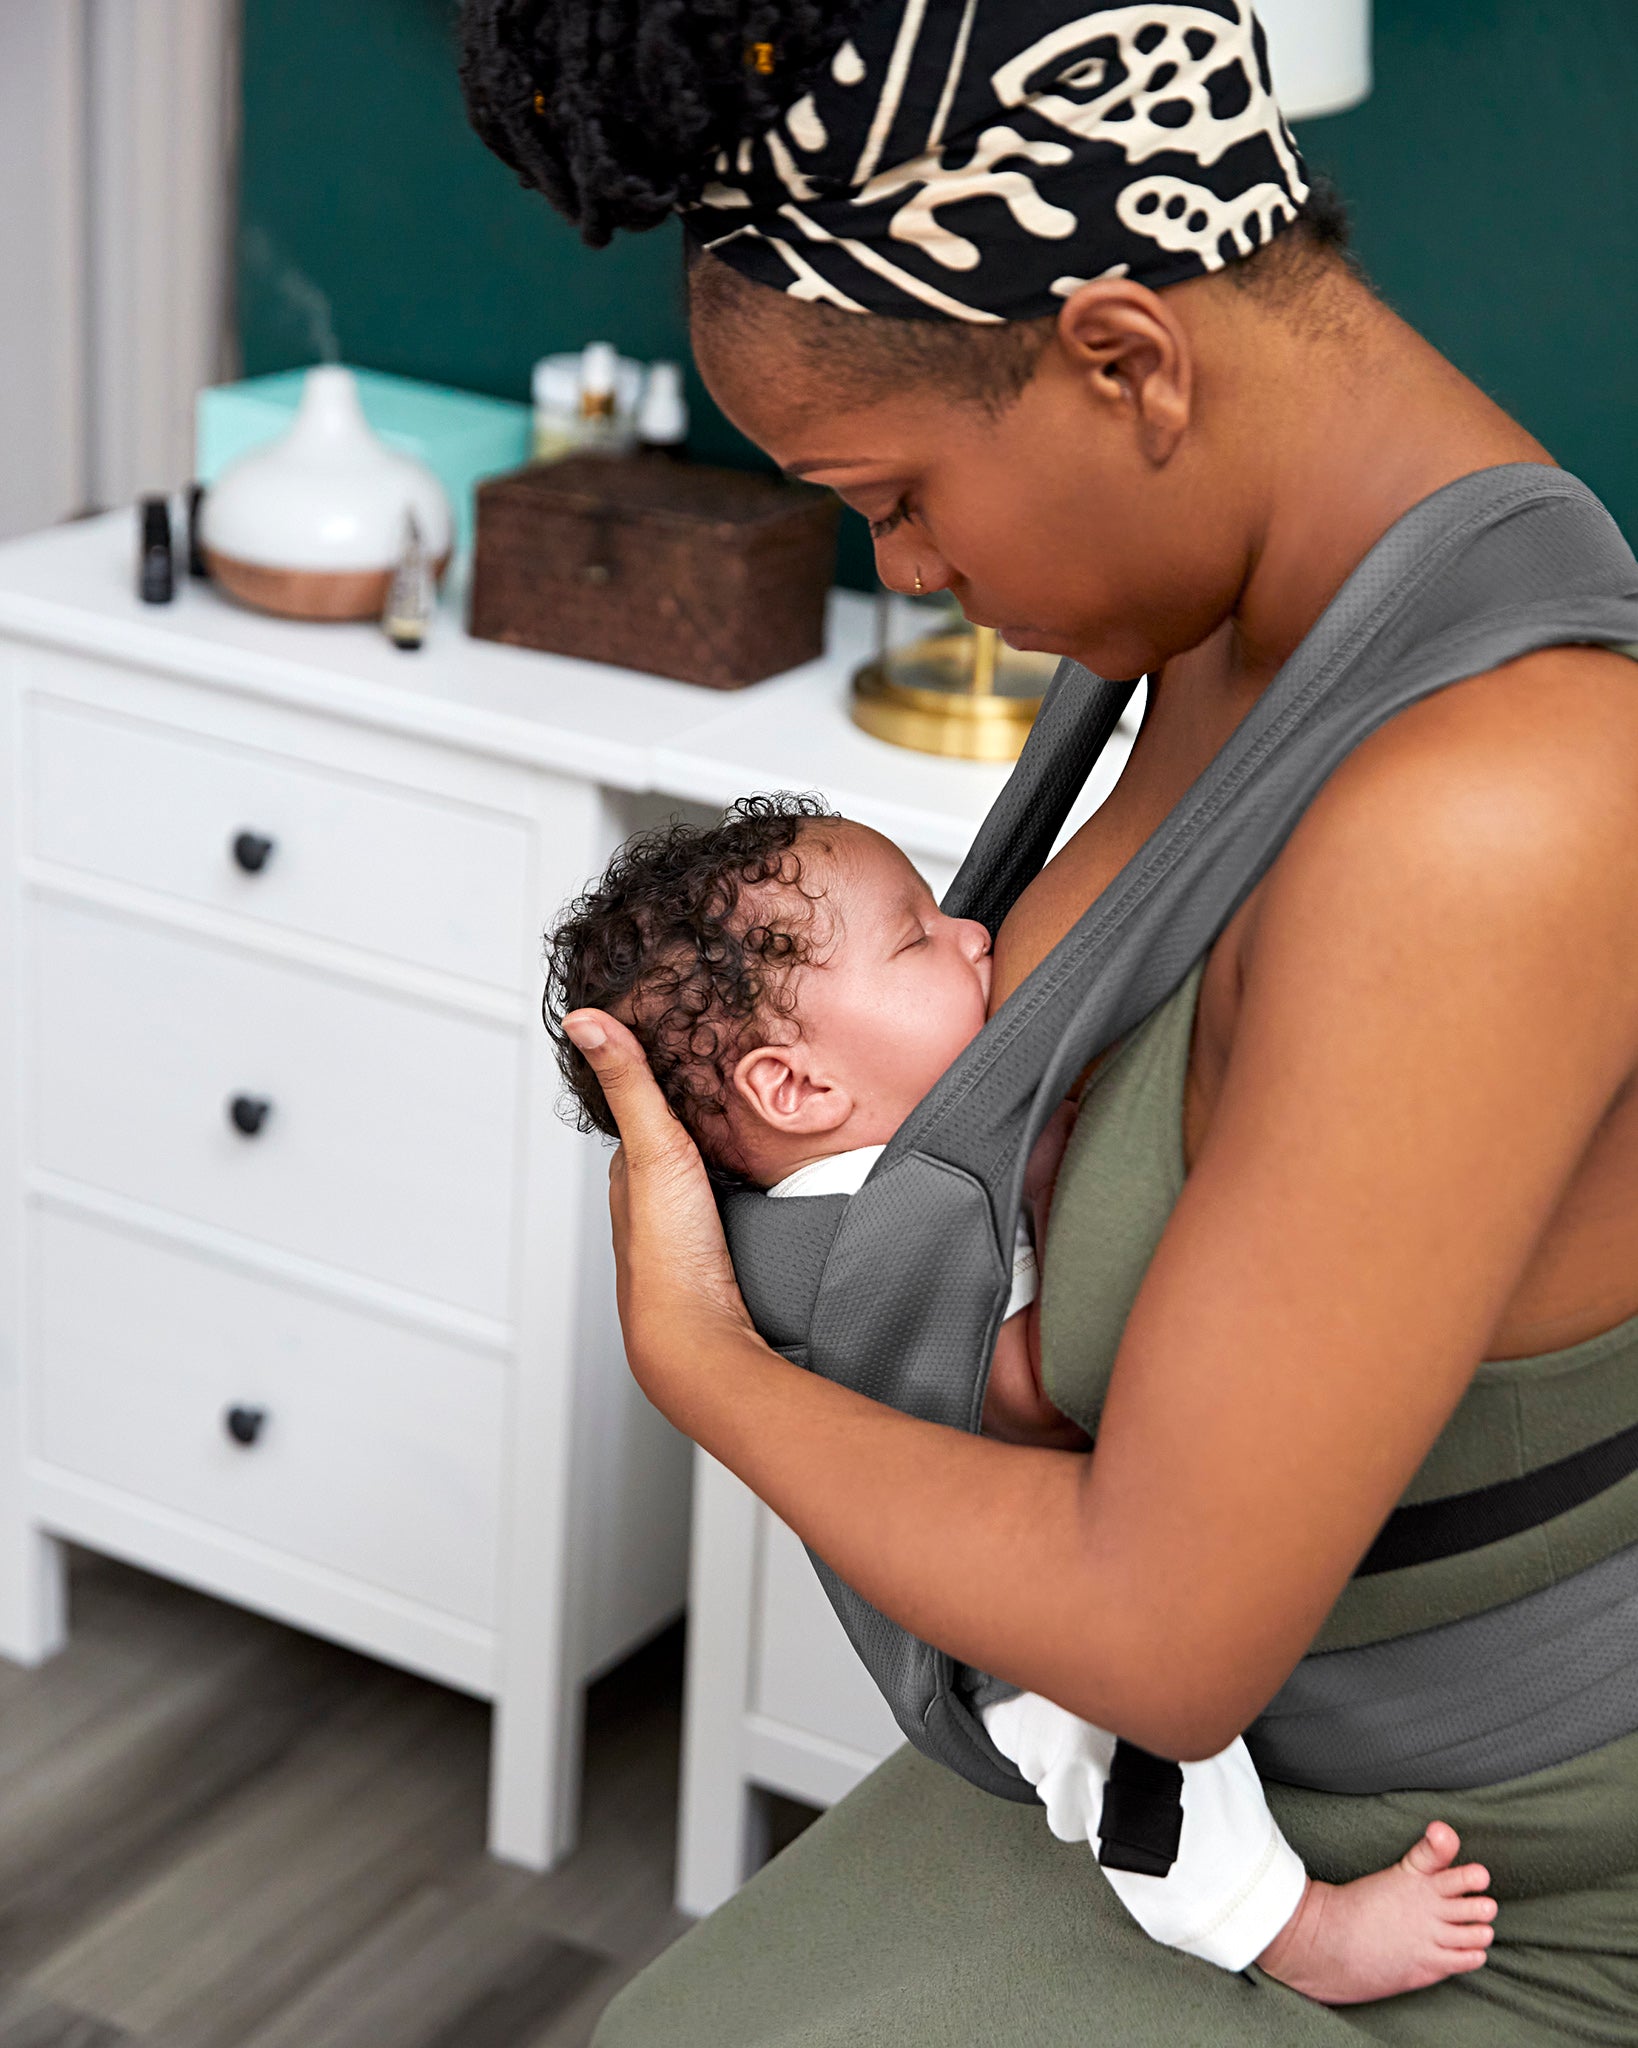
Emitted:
pixel 668 942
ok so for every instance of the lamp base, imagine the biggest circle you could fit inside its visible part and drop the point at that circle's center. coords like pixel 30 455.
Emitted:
pixel 922 697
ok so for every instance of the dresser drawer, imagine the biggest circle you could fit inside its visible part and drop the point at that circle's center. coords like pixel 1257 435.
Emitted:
pixel 437 884
pixel 379 1449
pixel 388 1145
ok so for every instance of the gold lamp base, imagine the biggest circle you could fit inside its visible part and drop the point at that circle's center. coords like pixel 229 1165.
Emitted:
pixel 961 693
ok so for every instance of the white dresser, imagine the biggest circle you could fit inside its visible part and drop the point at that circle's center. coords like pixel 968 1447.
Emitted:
pixel 305 1289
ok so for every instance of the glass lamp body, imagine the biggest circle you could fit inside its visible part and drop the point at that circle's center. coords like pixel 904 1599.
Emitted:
pixel 938 685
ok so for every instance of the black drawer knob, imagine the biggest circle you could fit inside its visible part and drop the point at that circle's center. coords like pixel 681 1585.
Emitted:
pixel 244 1425
pixel 253 851
pixel 248 1113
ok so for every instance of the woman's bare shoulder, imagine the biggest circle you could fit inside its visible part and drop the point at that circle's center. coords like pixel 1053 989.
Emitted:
pixel 1560 707
pixel 1499 802
pixel 1504 804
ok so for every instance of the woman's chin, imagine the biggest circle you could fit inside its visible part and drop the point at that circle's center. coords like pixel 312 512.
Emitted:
pixel 1023 640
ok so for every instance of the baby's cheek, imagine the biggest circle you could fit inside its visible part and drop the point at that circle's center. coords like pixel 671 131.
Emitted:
pixel 925 1060
pixel 956 1028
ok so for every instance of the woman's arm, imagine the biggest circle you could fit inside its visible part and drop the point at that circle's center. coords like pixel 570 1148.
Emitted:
pixel 1440 1001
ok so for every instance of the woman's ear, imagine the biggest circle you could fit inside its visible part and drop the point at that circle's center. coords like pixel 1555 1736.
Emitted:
pixel 779 1087
pixel 1135 356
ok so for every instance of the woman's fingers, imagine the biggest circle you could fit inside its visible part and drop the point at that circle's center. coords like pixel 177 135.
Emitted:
pixel 670 1258
pixel 647 1127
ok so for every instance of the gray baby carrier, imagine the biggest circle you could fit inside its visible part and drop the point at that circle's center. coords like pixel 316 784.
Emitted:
pixel 899 1290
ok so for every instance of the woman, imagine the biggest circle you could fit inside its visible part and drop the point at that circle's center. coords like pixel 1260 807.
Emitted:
pixel 1046 297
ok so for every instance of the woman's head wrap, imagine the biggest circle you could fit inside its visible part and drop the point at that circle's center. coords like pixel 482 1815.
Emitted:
pixel 981 159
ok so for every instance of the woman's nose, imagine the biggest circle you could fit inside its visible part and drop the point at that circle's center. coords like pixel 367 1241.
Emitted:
pixel 908 565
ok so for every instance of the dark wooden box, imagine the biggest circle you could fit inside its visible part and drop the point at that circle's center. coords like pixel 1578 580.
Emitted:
pixel 713 576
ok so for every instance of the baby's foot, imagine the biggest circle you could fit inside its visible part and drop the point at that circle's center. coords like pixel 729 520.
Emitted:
pixel 1399 1929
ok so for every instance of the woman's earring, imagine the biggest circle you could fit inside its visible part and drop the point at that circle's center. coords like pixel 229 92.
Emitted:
pixel 919 585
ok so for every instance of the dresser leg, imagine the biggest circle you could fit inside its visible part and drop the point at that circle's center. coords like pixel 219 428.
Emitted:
pixel 534 1779
pixel 720 1846
pixel 33 1595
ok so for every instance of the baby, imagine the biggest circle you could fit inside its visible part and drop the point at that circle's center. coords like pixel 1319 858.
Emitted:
pixel 797 991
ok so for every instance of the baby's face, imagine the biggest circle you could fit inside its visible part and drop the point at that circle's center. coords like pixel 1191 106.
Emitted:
pixel 899 988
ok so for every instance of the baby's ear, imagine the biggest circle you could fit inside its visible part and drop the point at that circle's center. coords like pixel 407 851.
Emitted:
pixel 777 1085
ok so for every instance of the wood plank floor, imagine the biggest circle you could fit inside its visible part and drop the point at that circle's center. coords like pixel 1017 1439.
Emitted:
pixel 219 1833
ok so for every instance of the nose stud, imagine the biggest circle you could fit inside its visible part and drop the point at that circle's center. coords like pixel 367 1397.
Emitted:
pixel 919 584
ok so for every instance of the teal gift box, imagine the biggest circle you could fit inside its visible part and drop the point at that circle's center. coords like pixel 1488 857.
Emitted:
pixel 460 436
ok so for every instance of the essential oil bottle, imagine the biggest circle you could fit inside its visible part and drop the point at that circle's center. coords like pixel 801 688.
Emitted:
pixel 662 417
pixel 156 567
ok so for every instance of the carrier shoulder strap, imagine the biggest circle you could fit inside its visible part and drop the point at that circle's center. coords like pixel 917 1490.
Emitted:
pixel 898 1291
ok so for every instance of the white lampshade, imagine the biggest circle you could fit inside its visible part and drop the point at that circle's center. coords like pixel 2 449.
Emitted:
pixel 1320 51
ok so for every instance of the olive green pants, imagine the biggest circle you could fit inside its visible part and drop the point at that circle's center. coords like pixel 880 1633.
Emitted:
pixel 919 1913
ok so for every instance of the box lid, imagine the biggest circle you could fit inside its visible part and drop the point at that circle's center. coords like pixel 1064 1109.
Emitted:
pixel 656 487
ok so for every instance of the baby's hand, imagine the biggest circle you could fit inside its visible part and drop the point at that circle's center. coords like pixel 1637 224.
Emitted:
pixel 1015 1408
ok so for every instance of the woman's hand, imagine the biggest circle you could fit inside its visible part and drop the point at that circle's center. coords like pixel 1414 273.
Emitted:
pixel 677 1294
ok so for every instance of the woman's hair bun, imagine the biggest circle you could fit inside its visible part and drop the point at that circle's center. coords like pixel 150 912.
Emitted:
pixel 616 109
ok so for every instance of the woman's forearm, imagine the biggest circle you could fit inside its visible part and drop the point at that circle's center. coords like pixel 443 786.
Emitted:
pixel 976 1546
pixel 1071 1575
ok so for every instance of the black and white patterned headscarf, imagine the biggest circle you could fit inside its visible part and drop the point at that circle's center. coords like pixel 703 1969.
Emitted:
pixel 981 159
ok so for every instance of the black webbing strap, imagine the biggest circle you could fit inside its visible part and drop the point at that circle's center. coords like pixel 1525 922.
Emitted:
pixel 1458 1522
pixel 1142 1819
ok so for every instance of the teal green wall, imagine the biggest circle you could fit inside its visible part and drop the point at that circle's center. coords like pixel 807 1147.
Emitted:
pixel 1493 180
pixel 1491 176
pixel 360 174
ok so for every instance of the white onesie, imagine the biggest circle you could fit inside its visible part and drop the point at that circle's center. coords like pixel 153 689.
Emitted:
pixel 1236 1880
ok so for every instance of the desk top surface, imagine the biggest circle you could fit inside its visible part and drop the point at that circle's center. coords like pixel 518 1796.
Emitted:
pixel 73 587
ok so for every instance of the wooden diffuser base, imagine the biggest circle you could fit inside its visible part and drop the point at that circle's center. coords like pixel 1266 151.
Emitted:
pixel 318 594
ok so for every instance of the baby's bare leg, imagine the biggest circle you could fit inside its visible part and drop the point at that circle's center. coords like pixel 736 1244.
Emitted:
pixel 1399 1929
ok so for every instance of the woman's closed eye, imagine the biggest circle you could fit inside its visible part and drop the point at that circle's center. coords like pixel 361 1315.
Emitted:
pixel 880 528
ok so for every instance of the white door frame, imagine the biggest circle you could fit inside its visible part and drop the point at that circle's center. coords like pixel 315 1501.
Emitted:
pixel 118 140
pixel 42 304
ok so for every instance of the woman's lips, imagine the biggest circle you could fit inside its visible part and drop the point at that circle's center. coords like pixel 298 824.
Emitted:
pixel 1026 639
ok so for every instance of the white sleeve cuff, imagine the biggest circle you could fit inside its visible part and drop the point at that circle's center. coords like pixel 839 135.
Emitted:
pixel 1247 1921
pixel 1236 1881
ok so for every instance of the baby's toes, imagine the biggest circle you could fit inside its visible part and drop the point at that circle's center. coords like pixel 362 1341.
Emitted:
pixel 1438 1846
pixel 1466 1910
pixel 1471 1877
pixel 1454 1961
pixel 1459 1938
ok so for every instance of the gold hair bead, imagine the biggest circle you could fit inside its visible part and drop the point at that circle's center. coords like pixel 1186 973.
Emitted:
pixel 759 57
pixel 540 103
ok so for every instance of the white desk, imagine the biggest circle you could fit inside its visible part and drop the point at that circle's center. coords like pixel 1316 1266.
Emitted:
pixel 399 1284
